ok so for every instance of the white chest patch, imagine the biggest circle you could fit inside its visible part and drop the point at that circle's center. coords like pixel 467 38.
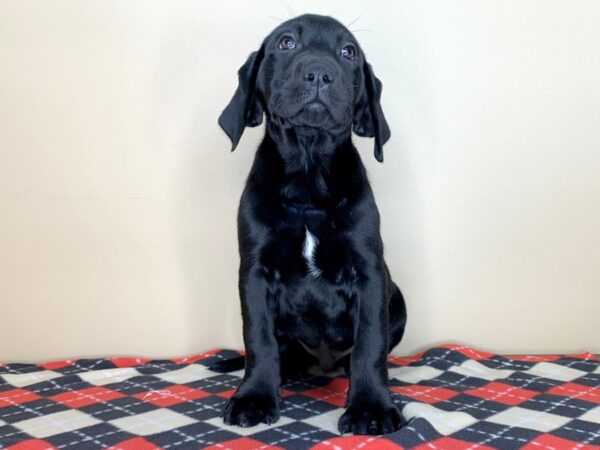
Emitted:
pixel 308 251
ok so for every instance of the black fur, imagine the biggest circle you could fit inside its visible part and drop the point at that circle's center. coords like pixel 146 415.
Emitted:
pixel 307 175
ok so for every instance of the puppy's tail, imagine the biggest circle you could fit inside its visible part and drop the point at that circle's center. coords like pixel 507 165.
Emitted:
pixel 229 365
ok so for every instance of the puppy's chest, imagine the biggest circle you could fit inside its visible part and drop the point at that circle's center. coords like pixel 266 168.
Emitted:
pixel 309 248
pixel 313 249
pixel 309 227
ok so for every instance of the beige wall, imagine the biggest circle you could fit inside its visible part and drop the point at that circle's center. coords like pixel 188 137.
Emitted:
pixel 118 193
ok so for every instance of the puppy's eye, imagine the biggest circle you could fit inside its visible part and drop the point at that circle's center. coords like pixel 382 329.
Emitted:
pixel 287 43
pixel 349 52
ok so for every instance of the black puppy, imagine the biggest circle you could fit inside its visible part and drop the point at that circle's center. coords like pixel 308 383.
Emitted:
pixel 313 283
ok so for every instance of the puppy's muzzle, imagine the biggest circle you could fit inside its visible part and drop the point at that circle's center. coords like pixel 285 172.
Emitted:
pixel 318 76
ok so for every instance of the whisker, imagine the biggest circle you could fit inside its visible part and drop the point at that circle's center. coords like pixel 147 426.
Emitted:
pixel 276 18
pixel 354 21
pixel 288 8
pixel 363 29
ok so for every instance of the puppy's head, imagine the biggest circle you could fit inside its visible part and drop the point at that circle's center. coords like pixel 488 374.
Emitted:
pixel 309 74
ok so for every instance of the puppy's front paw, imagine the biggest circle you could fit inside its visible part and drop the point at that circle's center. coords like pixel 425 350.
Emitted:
pixel 370 418
pixel 251 409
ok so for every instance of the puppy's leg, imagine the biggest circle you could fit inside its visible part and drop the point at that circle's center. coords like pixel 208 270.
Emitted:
pixel 256 399
pixel 369 406
pixel 397 309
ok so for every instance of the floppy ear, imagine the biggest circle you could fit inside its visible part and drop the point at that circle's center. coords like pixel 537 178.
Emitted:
pixel 369 120
pixel 244 109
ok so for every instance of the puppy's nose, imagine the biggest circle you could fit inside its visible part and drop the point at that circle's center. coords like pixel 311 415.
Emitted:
pixel 317 75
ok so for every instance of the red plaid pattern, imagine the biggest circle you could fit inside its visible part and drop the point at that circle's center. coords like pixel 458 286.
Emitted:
pixel 453 397
pixel 503 393
pixel 85 397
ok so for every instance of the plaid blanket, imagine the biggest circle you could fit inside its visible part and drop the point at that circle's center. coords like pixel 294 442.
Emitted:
pixel 453 398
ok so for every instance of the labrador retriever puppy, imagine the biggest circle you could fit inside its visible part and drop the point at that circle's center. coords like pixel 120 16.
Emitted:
pixel 313 282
